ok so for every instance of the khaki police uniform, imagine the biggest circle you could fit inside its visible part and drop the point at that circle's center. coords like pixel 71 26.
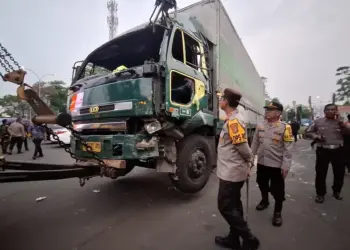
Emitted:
pixel 233 164
pixel 17 133
pixel 4 138
pixel 272 143
pixel 329 151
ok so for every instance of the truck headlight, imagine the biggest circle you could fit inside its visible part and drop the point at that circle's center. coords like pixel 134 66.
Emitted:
pixel 153 127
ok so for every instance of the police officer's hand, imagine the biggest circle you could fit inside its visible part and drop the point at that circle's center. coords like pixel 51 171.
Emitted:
pixel 284 173
pixel 251 166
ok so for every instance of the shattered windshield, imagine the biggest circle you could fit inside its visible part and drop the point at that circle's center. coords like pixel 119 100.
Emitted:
pixel 129 50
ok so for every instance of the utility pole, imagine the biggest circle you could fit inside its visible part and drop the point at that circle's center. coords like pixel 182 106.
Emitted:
pixel 311 109
pixel 112 18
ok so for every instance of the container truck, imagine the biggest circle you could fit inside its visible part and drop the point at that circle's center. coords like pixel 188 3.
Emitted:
pixel 149 97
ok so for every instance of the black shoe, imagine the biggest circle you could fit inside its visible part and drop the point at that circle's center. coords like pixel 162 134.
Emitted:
pixel 228 242
pixel 277 220
pixel 19 152
pixel 337 196
pixel 319 199
pixel 33 157
pixel 41 156
pixel 251 244
pixel 262 205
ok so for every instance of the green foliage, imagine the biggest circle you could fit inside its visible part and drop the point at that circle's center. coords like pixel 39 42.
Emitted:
pixel 12 106
pixel 305 112
pixel 343 83
pixel 53 93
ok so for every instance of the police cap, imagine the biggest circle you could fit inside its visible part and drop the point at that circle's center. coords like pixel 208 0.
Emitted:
pixel 232 96
pixel 274 105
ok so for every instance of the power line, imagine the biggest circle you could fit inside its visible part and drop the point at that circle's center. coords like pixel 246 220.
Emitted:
pixel 112 18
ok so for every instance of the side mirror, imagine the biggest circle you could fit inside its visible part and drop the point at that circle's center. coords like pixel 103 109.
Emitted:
pixel 76 70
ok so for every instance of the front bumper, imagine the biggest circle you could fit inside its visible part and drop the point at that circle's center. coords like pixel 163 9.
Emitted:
pixel 119 147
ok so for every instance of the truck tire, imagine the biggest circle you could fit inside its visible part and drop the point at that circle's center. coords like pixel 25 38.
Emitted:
pixel 194 164
pixel 129 167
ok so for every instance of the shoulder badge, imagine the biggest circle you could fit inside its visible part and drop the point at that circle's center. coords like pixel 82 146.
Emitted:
pixel 237 131
pixel 288 135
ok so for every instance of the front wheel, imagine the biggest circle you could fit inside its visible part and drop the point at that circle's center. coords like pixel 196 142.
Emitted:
pixel 194 164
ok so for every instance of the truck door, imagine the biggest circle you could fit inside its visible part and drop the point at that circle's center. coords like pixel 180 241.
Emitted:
pixel 187 82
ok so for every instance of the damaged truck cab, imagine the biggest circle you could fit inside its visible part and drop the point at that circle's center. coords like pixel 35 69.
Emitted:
pixel 146 98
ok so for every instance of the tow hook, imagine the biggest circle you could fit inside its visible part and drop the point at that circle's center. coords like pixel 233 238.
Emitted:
pixel 82 182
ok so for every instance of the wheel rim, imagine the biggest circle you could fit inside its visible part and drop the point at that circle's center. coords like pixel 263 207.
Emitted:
pixel 197 165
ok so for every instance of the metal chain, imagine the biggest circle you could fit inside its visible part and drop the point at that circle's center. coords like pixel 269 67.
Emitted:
pixel 4 65
pixel 10 56
pixel 6 62
pixel 7 66
pixel 77 136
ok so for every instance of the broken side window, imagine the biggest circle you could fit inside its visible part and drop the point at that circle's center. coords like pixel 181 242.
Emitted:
pixel 182 88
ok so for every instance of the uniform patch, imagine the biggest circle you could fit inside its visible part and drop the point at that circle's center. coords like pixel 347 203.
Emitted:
pixel 234 128
pixel 288 135
pixel 237 132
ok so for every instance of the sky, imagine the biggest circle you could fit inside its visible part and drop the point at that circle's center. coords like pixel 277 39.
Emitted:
pixel 297 45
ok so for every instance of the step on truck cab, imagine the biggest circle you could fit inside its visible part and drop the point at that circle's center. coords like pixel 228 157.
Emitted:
pixel 148 98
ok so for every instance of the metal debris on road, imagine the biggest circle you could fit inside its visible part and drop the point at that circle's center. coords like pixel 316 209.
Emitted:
pixel 96 191
pixel 40 198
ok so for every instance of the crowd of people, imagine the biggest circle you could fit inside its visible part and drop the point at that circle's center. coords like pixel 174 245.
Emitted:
pixel 17 133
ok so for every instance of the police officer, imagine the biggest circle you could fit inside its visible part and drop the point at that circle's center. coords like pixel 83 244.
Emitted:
pixel 328 133
pixel 347 146
pixel 4 136
pixel 234 161
pixel 272 143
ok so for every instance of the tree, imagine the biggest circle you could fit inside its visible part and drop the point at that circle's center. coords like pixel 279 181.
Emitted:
pixel 343 91
pixel 53 93
pixel 58 95
pixel 305 112
pixel 13 106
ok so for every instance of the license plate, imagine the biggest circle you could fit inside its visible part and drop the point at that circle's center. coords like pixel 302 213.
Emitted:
pixel 95 146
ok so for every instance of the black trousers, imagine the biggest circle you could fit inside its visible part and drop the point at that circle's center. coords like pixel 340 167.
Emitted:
pixel 18 141
pixel 38 150
pixel 25 142
pixel 347 156
pixel 271 180
pixel 295 137
pixel 231 208
pixel 325 156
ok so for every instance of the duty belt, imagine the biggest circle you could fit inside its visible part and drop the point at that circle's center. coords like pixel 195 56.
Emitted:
pixel 331 146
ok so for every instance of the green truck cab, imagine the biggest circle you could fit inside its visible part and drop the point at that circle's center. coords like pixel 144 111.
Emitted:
pixel 148 98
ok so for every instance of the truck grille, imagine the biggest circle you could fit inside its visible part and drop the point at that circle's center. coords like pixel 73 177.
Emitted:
pixel 102 108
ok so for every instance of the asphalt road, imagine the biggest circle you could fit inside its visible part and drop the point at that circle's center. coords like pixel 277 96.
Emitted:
pixel 143 212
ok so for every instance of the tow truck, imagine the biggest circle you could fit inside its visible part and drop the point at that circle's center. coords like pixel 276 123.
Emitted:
pixel 148 98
